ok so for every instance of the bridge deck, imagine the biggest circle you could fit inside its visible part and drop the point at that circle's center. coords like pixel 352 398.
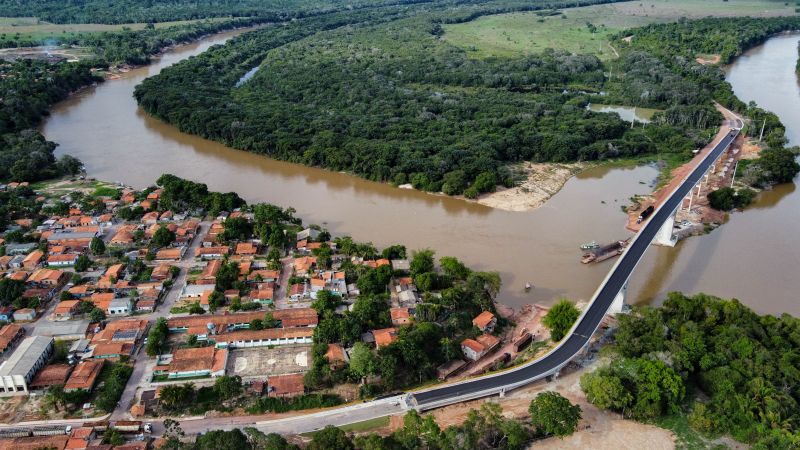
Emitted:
pixel 592 315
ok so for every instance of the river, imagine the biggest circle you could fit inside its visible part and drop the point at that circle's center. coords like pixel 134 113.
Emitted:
pixel 104 127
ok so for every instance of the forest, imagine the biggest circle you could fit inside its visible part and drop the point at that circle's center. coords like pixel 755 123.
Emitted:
pixel 401 105
pixel 28 88
pixel 730 370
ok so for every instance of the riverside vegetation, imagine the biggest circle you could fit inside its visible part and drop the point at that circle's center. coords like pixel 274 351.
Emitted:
pixel 402 105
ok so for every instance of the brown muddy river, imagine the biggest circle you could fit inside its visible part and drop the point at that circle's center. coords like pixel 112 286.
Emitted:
pixel 754 257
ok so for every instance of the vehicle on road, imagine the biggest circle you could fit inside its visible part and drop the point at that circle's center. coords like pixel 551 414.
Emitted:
pixel 645 214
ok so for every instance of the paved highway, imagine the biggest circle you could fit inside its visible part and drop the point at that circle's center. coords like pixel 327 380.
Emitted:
pixel 590 319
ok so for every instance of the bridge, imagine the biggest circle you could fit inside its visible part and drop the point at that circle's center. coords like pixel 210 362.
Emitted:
pixel 609 297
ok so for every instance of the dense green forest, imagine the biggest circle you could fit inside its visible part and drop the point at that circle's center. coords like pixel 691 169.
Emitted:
pixel 399 104
pixel 28 88
pixel 131 11
pixel 732 371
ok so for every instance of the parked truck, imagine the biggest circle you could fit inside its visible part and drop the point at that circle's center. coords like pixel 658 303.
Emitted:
pixel 645 214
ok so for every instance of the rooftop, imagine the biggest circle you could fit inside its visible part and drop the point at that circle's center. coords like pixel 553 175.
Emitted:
pixel 22 361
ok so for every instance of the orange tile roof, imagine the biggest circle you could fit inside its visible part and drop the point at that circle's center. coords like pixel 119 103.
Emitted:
pixel 85 375
pixel 473 345
pixel 399 313
pixel 169 253
pixel 51 374
pixel 384 336
pixel 194 359
pixel 112 348
pixel 19 276
pixel 286 384
pixel 262 294
pixel 483 319
pixel 46 275
pixel 246 248
pixel 488 341
pixel 66 307
pixel 335 353
pixel 33 257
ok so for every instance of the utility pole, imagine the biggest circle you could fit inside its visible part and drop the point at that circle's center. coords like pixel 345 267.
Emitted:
pixel 762 130
pixel 733 177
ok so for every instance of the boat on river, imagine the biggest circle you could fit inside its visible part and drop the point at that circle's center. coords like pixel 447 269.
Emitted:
pixel 590 245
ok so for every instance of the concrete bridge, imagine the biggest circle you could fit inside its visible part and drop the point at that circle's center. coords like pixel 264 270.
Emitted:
pixel 609 298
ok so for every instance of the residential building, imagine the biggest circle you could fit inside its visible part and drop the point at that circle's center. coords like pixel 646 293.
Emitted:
pixel 120 306
pixel 48 278
pixel 84 376
pixel 384 336
pixel 485 321
pixel 67 309
pixel 9 336
pixel 62 260
pixel 33 260
pixel 25 315
pixel 170 254
pixel 286 385
pixel 400 316
pixel 51 375
pixel 475 349
pixel 217 252
pixel 112 350
pixel 20 368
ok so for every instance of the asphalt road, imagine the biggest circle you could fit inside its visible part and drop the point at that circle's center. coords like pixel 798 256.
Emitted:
pixel 591 318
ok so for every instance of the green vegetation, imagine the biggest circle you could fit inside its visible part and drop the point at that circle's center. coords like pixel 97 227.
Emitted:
pixel 157 338
pixel 560 319
pixel 734 372
pixel 413 108
pixel 112 381
pixel 726 199
pixel 130 11
pixel 588 30
pixel 554 415
pixel 308 401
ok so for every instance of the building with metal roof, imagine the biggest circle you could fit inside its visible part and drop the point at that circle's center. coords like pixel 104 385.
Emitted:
pixel 20 368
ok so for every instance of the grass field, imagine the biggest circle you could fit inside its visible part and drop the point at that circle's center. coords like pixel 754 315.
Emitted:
pixel 30 28
pixel 522 33
pixel 367 425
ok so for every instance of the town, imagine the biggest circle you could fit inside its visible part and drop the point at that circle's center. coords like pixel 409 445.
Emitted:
pixel 122 305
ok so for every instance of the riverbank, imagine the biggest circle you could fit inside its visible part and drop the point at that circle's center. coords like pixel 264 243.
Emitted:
pixel 540 182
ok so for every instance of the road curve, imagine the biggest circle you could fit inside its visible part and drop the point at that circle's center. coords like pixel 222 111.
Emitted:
pixel 587 324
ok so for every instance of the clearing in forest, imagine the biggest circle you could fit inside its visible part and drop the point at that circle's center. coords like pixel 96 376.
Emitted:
pixel 586 29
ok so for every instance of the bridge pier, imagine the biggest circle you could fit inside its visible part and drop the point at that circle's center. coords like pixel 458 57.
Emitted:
pixel 619 306
pixel 665 235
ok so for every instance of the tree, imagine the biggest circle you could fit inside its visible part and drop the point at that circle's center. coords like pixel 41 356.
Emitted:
pixel 175 396
pixel 605 391
pixel 228 386
pixel 236 228
pixel 421 262
pixel 10 290
pixel 157 338
pixel 162 237
pixel 227 276
pixel 82 263
pixel 97 315
pixel 554 415
pixel 330 438
pixel 560 319
pixel 454 268
pixel 362 360
pixel 113 436
pixel 97 246
pixel 218 439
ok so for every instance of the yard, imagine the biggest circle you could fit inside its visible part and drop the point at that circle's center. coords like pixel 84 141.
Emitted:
pixel 261 362
pixel 511 34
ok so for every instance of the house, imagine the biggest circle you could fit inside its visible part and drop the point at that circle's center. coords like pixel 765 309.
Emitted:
pixel 20 368
pixel 67 309
pixel 51 375
pixel 485 322
pixel 400 316
pixel 209 275
pixel 25 315
pixel 336 356
pixel 263 296
pixel 246 249
pixel 33 260
pixel 130 331
pixel 263 275
pixel 217 252
pixel 308 233
pixel 84 376
pixel 49 278
pixel 297 292
pixel 170 254
pixel 384 336
pixel 195 362
pixel 81 290
pixel 112 350
pixel 122 238
pixel 162 272
pixel 62 260
pixel 120 306
pixel 285 385
pixel 7 313
pixel 9 336
pixel 288 318
pixel 475 349
pixel 401 265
